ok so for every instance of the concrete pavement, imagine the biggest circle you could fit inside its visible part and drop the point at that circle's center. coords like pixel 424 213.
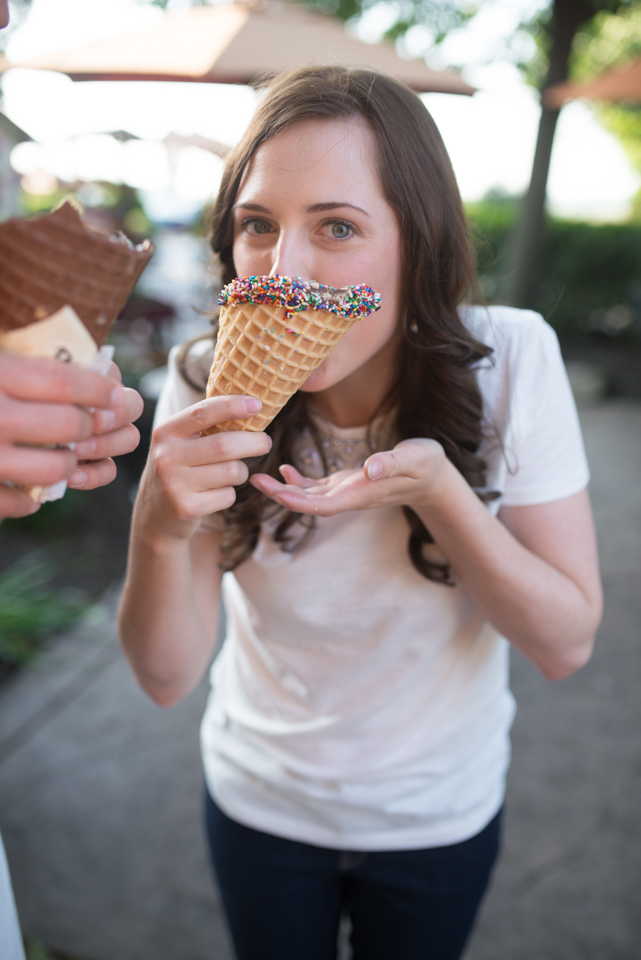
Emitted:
pixel 100 791
pixel 569 884
pixel 100 808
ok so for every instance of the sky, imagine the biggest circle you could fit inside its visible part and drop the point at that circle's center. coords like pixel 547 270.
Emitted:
pixel 490 136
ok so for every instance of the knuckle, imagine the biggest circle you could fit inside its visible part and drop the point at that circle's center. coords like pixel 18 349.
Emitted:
pixel 198 415
pixel 62 379
pixel 78 423
pixel 163 462
pixel 157 434
pixel 185 507
pixel 222 445
pixel 15 417
pixel 57 466
pixel 232 471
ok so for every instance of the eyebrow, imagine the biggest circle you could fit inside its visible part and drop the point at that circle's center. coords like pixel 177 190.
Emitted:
pixel 314 208
pixel 321 207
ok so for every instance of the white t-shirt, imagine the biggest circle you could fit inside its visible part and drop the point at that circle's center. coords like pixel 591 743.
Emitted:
pixel 10 938
pixel 356 704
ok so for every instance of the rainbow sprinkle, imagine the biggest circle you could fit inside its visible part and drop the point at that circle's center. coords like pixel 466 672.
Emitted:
pixel 296 295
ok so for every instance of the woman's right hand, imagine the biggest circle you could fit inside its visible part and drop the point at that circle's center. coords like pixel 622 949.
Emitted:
pixel 189 476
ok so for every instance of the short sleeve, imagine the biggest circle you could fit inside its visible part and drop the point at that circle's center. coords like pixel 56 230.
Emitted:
pixel 176 394
pixel 544 436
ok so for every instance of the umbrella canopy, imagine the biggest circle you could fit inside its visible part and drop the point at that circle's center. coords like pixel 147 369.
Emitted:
pixel 237 43
pixel 174 141
pixel 612 85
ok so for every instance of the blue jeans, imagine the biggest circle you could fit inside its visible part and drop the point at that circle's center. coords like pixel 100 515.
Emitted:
pixel 283 899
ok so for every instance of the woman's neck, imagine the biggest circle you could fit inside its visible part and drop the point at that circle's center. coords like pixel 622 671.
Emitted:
pixel 356 400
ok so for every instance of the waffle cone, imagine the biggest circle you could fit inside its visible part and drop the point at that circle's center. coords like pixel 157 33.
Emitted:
pixel 54 260
pixel 261 353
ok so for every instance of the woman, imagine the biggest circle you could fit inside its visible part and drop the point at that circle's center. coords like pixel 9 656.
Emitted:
pixel 434 503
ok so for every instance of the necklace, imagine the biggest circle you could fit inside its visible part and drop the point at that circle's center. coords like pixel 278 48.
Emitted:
pixel 339 453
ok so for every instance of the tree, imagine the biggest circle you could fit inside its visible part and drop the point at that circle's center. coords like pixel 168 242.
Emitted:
pixel 568 18
pixel 565 34
pixel 555 29
pixel 613 41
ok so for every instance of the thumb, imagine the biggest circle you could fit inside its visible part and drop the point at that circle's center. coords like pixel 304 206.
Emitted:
pixel 408 458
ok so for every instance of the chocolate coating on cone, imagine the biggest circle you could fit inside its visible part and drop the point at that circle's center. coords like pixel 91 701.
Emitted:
pixel 54 260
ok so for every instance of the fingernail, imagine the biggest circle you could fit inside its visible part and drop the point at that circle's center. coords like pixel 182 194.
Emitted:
pixel 105 419
pixel 85 447
pixel 77 479
pixel 118 396
pixel 374 469
pixel 252 405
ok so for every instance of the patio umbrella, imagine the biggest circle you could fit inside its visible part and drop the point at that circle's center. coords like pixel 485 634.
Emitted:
pixel 612 85
pixel 237 43
pixel 175 141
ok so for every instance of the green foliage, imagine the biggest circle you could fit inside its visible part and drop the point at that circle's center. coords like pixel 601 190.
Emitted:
pixel 607 40
pixel 31 610
pixel 590 275
pixel 442 17
pixel 611 40
pixel 534 69
pixel 36 950
pixel 51 517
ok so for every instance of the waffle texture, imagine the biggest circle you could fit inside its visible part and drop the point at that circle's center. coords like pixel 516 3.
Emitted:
pixel 261 353
pixel 54 260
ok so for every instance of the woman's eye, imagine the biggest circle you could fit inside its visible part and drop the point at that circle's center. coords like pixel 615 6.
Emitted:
pixel 339 230
pixel 257 227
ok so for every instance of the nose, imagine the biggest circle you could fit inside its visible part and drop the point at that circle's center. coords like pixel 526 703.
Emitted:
pixel 291 258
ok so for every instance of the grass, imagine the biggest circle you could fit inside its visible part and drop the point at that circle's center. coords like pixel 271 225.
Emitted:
pixel 35 950
pixel 31 609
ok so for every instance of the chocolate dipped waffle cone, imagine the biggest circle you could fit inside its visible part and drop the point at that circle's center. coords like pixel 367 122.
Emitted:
pixel 54 260
pixel 267 346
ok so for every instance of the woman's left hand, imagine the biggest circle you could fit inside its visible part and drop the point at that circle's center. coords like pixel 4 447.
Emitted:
pixel 409 475
pixel 114 434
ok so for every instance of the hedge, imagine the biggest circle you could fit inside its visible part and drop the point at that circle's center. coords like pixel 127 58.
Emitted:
pixel 589 277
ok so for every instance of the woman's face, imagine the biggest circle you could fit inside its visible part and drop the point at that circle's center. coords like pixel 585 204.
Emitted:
pixel 311 205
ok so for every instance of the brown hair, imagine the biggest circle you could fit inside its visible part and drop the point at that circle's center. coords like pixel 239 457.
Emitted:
pixel 435 394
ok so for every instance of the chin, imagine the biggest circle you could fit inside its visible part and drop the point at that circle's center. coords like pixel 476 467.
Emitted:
pixel 323 378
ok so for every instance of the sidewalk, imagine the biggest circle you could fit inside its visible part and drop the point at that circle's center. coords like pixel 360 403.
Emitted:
pixel 100 809
pixel 100 790
pixel 567 887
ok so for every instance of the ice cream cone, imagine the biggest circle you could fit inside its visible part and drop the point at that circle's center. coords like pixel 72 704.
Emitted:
pixel 54 260
pixel 262 353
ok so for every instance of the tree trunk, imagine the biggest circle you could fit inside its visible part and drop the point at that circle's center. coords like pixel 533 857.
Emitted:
pixel 522 260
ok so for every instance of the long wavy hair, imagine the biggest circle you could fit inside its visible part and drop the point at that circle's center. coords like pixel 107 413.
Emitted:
pixel 435 393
